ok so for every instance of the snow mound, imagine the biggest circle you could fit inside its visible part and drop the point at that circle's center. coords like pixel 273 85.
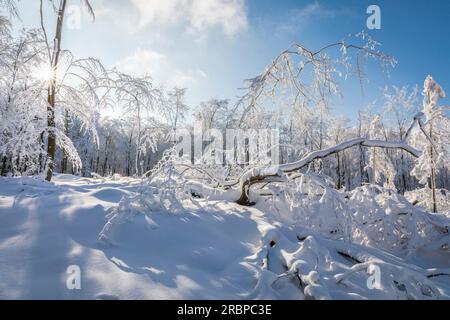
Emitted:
pixel 109 194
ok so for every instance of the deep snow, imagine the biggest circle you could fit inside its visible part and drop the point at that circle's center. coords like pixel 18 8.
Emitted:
pixel 210 250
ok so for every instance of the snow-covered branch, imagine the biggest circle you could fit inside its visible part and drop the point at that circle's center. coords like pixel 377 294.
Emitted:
pixel 257 175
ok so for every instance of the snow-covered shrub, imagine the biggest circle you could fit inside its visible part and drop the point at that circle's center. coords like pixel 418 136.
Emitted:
pixel 370 215
pixel 162 191
pixel 384 219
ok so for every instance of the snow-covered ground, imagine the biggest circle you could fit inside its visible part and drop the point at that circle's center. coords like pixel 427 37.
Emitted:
pixel 209 250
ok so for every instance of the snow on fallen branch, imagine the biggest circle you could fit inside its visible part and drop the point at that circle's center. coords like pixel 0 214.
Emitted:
pixel 414 284
pixel 257 175
pixel 314 266
pixel 289 167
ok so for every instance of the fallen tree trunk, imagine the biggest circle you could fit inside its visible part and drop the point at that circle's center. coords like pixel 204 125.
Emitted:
pixel 257 175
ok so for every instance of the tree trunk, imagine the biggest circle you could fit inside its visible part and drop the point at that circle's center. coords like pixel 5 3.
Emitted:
pixel 3 171
pixel 362 165
pixel 433 189
pixel 338 171
pixel 65 159
pixel 129 157
pixel 433 174
pixel 105 166
pixel 97 164
pixel 51 146
pixel 403 176
pixel 138 142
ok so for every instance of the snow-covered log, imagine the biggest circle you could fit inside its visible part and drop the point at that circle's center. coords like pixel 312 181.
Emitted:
pixel 256 175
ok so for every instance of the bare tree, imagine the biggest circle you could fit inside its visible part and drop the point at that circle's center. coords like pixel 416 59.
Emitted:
pixel 300 76
pixel 138 98
pixel 175 110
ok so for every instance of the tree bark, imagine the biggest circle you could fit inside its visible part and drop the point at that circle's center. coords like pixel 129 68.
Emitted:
pixel 338 171
pixel 3 171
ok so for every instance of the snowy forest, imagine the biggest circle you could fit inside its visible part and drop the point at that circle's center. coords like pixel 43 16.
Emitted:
pixel 97 171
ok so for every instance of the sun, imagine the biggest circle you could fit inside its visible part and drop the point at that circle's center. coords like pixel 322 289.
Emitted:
pixel 45 72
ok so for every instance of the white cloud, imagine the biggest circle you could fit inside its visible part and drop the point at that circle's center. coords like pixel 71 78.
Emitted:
pixel 314 10
pixel 230 15
pixel 158 66
pixel 157 12
pixel 299 18
pixel 199 16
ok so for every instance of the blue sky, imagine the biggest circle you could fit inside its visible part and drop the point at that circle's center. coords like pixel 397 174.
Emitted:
pixel 212 46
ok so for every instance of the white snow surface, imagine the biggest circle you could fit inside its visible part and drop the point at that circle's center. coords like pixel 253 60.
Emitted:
pixel 209 250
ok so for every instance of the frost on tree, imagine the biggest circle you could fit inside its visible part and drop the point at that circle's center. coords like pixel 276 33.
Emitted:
pixel 381 168
pixel 432 135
